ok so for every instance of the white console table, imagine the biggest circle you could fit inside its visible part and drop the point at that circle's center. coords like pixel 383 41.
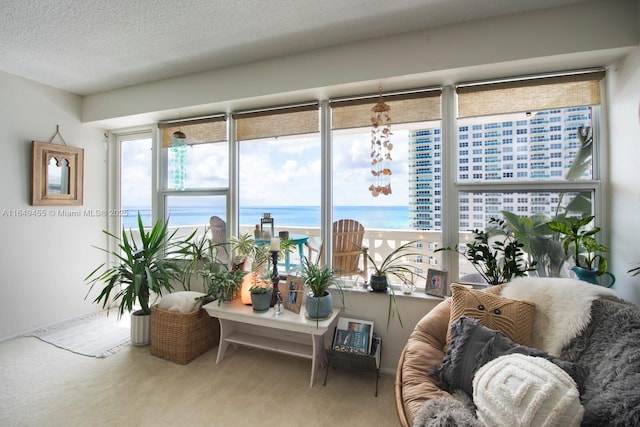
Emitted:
pixel 236 320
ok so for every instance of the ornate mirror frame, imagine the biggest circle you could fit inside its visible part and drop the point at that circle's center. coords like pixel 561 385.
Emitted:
pixel 70 160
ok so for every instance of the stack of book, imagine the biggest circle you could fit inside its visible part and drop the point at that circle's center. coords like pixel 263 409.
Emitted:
pixel 354 336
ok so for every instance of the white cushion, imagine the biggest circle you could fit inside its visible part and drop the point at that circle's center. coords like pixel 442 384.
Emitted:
pixel 519 390
pixel 182 301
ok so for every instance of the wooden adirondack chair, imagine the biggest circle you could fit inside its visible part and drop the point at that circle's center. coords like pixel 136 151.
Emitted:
pixel 347 249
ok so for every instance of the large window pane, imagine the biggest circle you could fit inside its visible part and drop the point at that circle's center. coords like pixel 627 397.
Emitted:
pixel 526 214
pixel 198 166
pixel 135 180
pixel 524 147
pixel 281 176
pixel 408 212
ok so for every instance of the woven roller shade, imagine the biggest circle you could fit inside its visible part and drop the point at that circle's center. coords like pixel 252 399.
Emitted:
pixel 197 131
pixel 529 95
pixel 405 108
pixel 279 122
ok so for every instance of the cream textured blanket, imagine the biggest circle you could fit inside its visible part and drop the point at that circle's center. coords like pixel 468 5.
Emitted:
pixel 563 308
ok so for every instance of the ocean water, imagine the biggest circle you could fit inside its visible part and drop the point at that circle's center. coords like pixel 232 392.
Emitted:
pixel 386 217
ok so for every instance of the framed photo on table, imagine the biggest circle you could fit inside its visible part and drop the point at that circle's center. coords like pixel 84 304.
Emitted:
pixel 293 294
pixel 436 283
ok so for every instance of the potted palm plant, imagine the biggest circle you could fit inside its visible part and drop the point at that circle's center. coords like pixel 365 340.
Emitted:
pixel 581 245
pixel 146 266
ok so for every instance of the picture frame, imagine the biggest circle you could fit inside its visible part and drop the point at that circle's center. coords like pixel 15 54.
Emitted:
pixel 57 175
pixel 353 335
pixel 436 284
pixel 294 293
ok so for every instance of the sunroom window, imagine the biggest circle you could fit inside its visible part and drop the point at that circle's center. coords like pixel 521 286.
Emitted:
pixel 558 145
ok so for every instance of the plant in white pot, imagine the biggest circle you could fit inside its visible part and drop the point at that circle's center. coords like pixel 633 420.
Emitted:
pixel 146 266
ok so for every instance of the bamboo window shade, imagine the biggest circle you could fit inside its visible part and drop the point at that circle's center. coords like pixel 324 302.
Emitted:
pixel 277 122
pixel 201 131
pixel 405 108
pixel 529 95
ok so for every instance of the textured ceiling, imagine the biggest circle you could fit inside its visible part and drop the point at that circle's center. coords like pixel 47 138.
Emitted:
pixel 91 46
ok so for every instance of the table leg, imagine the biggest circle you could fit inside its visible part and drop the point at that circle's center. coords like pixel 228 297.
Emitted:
pixel 318 356
pixel 225 329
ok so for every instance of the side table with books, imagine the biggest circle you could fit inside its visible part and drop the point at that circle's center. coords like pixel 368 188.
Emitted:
pixel 355 346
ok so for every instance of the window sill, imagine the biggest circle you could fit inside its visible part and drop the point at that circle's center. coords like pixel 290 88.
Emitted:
pixel 417 293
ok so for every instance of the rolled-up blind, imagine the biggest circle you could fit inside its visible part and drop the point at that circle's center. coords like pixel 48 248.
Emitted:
pixel 200 131
pixel 405 108
pixel 296 120
pixel 529 95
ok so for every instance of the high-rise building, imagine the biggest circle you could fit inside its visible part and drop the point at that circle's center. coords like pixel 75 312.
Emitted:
pixel 522 147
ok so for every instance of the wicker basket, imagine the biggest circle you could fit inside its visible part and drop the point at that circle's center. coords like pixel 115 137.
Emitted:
pixel 182 337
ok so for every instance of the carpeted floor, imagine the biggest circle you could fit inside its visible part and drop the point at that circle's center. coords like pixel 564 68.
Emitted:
pixel 42 385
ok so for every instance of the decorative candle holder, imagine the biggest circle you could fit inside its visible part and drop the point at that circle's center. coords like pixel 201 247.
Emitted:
pixel 275 278
pixel 265 221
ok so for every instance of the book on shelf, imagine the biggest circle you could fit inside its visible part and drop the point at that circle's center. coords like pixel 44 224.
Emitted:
pixel 376 346
pixel 353 336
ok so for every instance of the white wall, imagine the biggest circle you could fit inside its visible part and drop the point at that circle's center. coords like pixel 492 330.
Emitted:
pixel 45 259
pixel 624 190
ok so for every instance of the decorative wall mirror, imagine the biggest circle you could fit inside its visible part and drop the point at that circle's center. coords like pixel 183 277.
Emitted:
pixel 57 174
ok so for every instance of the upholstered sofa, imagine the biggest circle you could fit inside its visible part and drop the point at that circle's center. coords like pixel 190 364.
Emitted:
pixel 576 323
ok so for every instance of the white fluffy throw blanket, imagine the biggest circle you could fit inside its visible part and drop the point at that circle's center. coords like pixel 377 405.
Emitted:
pixel 563 308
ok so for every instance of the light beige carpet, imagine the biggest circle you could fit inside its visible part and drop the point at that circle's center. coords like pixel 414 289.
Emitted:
pixel 42 385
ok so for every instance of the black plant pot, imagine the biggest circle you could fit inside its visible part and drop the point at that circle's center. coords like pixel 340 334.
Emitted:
pixel 378 283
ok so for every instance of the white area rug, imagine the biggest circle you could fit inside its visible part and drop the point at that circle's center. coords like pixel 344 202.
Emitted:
pixel 97 335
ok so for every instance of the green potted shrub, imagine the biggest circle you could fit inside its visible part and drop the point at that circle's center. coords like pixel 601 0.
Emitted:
pixel 495 254
pixel 144 268
pixel 580 244
pixel 222 283
pixel 202 254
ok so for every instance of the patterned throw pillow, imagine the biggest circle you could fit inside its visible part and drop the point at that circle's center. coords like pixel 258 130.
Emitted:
pixel 512 318
pixel 526 391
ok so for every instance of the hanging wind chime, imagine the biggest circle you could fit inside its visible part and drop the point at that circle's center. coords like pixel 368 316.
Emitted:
pixel 179 156
pixel 381 147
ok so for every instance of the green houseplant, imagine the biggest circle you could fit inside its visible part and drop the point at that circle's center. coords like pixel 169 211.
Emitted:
pixel 261 296
pixel 581 245
pixel 393 264
pixel 145 266
pixel 495 254
pixel 222 283
pixel 202 254
pixel 319 279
